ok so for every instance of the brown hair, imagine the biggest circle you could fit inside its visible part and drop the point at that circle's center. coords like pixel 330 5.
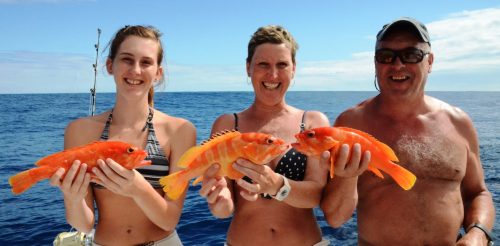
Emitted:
pixel 149 32
pixel 271 34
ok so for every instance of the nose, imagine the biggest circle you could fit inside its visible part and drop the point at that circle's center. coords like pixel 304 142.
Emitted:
pixel 397 62
pixel 273 72
pixel 136 68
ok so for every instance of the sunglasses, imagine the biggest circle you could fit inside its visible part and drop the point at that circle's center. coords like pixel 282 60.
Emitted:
pixel 410 55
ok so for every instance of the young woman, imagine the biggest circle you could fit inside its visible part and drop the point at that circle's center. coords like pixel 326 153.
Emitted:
pixel 132 208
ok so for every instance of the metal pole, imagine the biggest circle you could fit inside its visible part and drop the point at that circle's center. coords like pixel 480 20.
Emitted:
pixel 92 90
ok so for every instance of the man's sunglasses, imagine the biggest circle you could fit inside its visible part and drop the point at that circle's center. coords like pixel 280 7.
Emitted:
pixel 410 55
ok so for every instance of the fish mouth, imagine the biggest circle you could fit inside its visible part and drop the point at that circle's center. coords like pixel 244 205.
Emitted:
pixel 143 163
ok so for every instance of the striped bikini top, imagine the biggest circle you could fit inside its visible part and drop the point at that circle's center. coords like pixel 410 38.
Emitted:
pixel 159 162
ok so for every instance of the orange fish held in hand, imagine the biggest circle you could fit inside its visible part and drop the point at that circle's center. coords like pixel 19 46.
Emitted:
pixel 123 153
pixel 224 149
pixel 314 141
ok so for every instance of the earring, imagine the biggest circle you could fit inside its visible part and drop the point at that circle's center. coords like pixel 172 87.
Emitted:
pixel 375 83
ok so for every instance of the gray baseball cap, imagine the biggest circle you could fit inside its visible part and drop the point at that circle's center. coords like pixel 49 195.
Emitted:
pixel 420 28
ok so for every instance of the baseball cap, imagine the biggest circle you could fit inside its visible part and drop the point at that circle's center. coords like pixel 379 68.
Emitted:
pixel 420 28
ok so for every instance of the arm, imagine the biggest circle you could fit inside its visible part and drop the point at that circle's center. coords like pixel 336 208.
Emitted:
pixel 340 196
pixel 78 196
pixel 303 194
pixel 163 212
pixel 478 203
pixel 218 190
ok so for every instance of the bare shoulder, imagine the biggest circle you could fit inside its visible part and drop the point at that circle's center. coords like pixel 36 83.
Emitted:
pixel 223 122
pixel 174 125
pixel 458 118
pixel 354 114
pixel 84 130
pixel 315 119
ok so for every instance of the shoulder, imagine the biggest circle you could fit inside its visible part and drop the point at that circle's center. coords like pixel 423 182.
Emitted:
pixel 174 125
pixel 315 119
pixel 353 114
pixel 456 116
pixel 84 130
pixel 224 122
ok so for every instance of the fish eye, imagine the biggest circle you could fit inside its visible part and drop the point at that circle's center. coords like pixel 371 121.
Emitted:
pixel 269 141
pixel 130 150
pixel 310 134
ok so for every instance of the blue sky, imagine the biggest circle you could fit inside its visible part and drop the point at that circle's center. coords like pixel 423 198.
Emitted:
pixel 47 46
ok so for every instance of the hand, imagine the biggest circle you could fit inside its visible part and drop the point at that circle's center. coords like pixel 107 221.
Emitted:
pixel 265 180
pixel 473 237
pixel 215 190
pixel 75 183
pixel 345 167
pixel 117 179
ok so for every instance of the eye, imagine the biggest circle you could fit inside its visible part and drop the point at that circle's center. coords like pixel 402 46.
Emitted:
pixel 130 150
pixel 269 141
pixel 310 134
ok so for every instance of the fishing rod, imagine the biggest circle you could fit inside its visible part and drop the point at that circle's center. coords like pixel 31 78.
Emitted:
pixel 92 90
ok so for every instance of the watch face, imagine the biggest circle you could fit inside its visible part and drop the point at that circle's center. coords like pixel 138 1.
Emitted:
pixel 283 193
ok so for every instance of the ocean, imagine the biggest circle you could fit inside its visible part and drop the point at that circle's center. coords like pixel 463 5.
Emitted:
pixel 32 126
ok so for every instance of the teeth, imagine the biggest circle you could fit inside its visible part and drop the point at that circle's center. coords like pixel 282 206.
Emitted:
pixel 133 81
pixel 399 77
pixel 271 85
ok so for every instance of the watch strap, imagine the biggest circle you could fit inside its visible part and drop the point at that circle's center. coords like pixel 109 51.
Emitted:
pixel 283 191
pixel 488 233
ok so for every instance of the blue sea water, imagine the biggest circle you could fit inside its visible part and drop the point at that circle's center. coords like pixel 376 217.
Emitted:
pixel 32 126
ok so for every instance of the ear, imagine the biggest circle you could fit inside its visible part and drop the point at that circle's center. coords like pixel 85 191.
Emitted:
pixel 159 73
pixel 109 66
pixel 293 69
pixel 430 60
pixel 248 70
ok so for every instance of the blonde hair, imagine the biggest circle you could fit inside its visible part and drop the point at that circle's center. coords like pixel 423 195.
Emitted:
pixel 271 34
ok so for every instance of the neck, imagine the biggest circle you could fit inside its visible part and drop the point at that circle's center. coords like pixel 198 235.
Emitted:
pixel 265 111
pixel 130 113
pixel 401 107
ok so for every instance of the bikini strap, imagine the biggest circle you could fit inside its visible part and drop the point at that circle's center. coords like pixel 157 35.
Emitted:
pixel 105 131
pixel 302 123
pixel 149 121
pixel 235 121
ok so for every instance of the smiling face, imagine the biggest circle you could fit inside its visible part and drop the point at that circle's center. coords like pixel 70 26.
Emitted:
pixel 271 70
pixel 403 79
pixel 135 66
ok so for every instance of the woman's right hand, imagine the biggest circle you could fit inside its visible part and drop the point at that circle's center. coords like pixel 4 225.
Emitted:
pixel 217 193
pixel 75 183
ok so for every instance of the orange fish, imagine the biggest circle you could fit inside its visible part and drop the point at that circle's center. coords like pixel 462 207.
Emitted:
pixel 224 149
pixel 123 153
pixel 314 141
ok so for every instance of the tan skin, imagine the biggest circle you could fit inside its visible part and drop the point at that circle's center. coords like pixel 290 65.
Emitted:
pixel 271 222
pixel 435 141
pixel 131 211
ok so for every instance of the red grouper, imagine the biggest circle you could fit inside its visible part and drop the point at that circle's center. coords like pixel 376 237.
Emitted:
pixel 223 148
pixel 314 141
pixel 123 153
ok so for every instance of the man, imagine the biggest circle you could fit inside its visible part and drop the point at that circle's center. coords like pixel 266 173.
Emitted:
pixel 434 140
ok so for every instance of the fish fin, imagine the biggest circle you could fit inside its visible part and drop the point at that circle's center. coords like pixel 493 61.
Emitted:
pixel 385 149
pixel 24 180
pixel 197 180
pixel 174 185
pixel 220 137
pixel 376 171
pixel 402 176
pixel 333 158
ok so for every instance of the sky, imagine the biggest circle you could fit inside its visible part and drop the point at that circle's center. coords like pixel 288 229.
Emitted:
pixel 47 46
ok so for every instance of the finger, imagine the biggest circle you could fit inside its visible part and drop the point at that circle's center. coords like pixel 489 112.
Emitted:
pixel 249 165
pixel 256 176
pixel 118 169
pixel 207 186
pixel 108 172
pixel 77 183
pixel 85 184
pixel 55 180
pixel 355 157
pixel 325 159
pixel 255 187
pixel 342 157
pixel 212 196
pixel 249 196
pixel 211 171
pixel 365 161
pixel 70 175
pixel 102 178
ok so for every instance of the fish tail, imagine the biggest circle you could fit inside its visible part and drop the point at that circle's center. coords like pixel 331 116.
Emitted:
pixel 402 176
pixel 174 185
pixel 24 180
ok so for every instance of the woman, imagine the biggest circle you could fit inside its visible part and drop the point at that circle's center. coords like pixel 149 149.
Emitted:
pixel 274 204
pixel 132 207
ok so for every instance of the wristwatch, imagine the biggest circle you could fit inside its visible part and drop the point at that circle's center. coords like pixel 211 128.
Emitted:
pixel 488 233
pixel 283 191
